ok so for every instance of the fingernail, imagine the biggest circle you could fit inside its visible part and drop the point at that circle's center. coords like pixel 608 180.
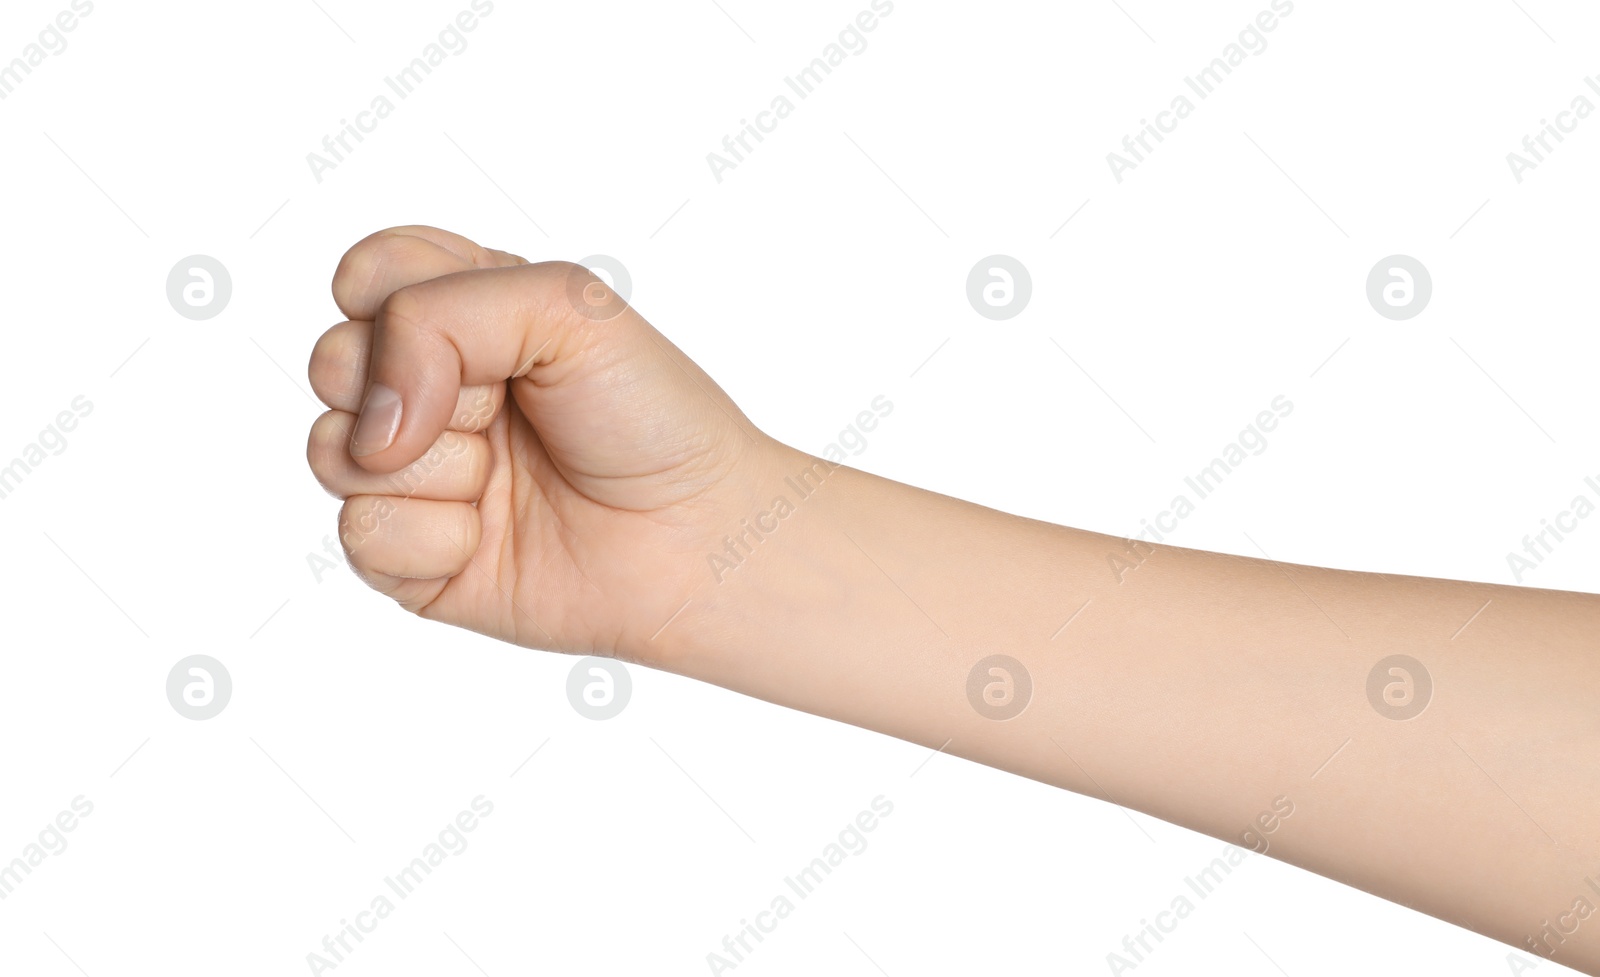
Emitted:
pixel 379 421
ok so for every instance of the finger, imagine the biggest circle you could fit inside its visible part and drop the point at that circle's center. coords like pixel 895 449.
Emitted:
pixel 408 548
pixel 617 386
pixel 455 469
pixel 391 259
pixel 338 373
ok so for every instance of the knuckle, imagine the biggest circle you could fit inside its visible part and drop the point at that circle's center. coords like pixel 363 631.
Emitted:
pixel 367 262
pixel 358 268
pixel 404 308
pixel 482 257
pixel 559 289
pixel 568 269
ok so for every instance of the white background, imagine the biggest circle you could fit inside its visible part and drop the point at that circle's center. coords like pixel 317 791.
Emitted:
pixel 1226 270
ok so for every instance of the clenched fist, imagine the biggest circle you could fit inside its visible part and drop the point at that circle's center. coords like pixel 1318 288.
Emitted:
pixel 520 453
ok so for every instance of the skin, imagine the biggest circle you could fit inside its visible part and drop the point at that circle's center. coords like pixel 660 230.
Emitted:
pixel 560 476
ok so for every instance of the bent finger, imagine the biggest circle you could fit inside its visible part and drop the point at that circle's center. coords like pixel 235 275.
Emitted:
pixel 415 539
pixel 338 374
pixel 382 263
pixel 455 469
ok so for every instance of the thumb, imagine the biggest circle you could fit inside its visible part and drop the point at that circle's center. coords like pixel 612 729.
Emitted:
pixel 607 394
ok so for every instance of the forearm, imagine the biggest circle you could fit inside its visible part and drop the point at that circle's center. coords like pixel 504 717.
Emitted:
pixel 1213 691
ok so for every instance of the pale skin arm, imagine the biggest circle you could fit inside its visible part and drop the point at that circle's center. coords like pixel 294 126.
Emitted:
pixel 584 475
pixel 1211 691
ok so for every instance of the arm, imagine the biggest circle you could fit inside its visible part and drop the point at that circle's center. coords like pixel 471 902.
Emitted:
pixel 532 460
pixel 1225 694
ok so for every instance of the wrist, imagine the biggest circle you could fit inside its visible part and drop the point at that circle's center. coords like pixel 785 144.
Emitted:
pixel 775 573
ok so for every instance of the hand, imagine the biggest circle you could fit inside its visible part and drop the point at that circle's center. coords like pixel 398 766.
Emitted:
pixel 532 460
